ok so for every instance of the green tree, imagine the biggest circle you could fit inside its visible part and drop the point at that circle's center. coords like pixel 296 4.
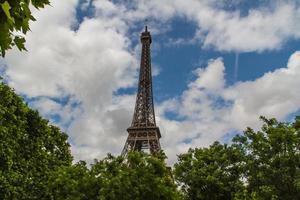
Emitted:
pixel 141 176
pixel 74 182
pixel 30 149
pixel 258 165
pixel 15 16
pixel 273 160
pixel 210 173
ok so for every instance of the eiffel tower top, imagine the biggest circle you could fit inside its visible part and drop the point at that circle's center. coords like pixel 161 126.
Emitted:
pixel 146 37
pixel 144 108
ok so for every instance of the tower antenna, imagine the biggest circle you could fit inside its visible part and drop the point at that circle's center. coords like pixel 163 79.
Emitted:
pixel 146 23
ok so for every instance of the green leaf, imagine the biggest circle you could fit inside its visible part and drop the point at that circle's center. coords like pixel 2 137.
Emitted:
pixel 5 39
pixel 25 25
pixel 6 7
pixel 20 41
pixel 40 3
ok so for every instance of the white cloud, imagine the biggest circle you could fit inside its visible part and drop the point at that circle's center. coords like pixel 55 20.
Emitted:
pixel 207 75
pixel 263 28
pixel 260 30
pixel 274 95
pixel 267 27
pixel 210 114
pixel 89 65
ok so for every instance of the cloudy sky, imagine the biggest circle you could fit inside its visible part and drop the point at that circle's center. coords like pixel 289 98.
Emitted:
pixel 218 65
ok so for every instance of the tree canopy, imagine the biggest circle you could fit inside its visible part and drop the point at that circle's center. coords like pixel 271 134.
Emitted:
pixel 272 157
pixel 15 16
pixel 258 165
pixel 140 176
pixel 30 148
pixel 210 173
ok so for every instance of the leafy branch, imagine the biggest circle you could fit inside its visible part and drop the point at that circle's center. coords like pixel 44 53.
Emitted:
pixel 15 16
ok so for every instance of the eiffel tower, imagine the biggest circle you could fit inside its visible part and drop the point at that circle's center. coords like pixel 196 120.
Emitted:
pixel 143 134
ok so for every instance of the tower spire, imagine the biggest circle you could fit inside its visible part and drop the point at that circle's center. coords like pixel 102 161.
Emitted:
pixel 146 22
pixel 143 132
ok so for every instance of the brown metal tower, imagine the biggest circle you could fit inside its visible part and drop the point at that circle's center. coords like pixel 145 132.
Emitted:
pixel 143 134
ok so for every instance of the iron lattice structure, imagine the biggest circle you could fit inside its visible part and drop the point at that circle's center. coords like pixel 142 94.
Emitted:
pixel 143 134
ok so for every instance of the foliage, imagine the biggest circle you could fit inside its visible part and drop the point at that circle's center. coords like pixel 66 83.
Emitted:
pixel 210 173
pixel 273 160
pixel 258 165
pixel 30 149
pixel 15 16
pixel 74 182
pixel 140 176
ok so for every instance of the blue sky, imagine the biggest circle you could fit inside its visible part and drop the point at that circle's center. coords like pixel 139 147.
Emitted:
pixel 170 59
pixel 217 65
